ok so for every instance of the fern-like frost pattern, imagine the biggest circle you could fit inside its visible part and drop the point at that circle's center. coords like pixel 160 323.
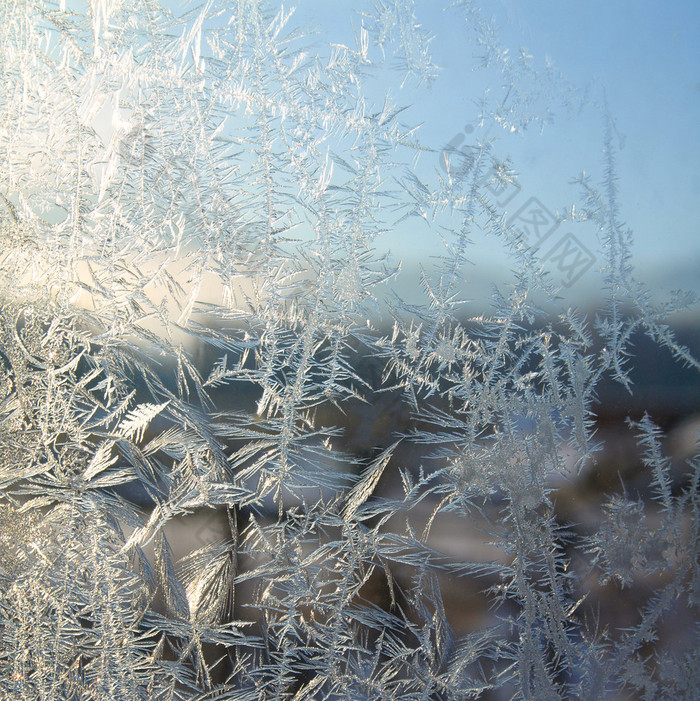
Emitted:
pixel 199 336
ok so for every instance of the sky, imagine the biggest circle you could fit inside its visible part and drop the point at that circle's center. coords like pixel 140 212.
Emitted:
pixel 646 55
pixel 641 58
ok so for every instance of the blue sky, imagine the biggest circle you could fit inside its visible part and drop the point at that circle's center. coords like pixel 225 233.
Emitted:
pixel 646 56
pixel 641 57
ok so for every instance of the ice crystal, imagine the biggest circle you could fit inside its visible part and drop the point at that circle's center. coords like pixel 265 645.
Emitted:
pixel 197 333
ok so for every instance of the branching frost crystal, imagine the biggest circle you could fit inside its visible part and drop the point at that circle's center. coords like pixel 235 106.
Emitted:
pixel 238 460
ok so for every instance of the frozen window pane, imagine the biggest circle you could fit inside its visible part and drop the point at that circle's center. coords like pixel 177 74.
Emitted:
pixel 348 352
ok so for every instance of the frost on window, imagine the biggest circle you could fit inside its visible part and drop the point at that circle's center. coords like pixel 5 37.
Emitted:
pixel 303 396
